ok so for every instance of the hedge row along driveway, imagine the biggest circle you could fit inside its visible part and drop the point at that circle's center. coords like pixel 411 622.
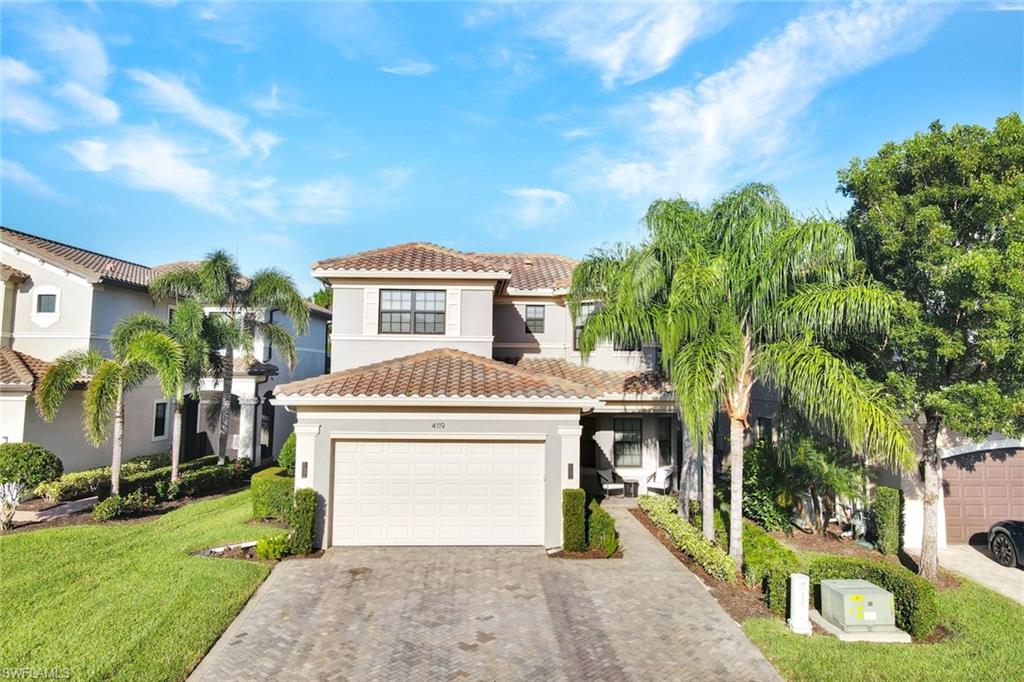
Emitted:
pixel 126 601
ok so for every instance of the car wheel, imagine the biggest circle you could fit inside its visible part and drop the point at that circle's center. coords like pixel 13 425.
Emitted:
pixel 1002 550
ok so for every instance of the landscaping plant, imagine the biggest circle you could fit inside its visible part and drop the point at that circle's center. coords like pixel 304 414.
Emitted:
pixel 286 458
pixel 888 516
pixel 28 464
pixel 303 521
pixel 272 547
pixel 745 293
pixel 10 496
pixel 662 511
pixel 272 492
pixel 574 519
pixel 601 530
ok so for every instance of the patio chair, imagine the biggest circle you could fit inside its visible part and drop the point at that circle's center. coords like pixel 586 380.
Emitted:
pixel 608 482
pixel 661 480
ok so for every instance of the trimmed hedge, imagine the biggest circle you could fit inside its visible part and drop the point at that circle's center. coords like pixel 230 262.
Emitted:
pixel 212 477
pixel 917 609
pixel 29 464
pixel 574 519
pixel 286 458
pixel 303 521
pixel 272 492
pixel 767 564
pixel 662 511
pixel 85 483
pixel 147 480
pixel 601 530
pixel 888 515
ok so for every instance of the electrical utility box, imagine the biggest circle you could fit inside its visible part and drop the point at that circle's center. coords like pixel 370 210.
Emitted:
pixel 857 606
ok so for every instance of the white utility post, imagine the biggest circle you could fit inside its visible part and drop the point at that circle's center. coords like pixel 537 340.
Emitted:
pixel 799 601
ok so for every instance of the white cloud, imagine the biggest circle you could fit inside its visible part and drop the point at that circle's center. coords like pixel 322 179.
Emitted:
pixel 146 160
pixel 15 173
pixel 81 53
pixel 535 205
pixel 627 42
pixel 269 103
pixel 409 68
pixel 322 201
pixel 17 104
pixel 17 73
pixel 279 239
pixel 701 139
pixel 170 93
pixel 575 133
pixel 101 109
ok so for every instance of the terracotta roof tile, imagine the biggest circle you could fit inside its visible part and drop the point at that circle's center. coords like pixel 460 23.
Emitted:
pixel 7 272
pixel 94 266
pixel 438 373
pixel 411 257
pixel 532 271
pixel 599 382
pixel 19 369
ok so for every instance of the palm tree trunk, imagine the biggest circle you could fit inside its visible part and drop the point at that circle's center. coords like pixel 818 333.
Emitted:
pixel 179 412
pixel 707 492
pixel 224 419
pixel 736 434
pixel 929 566
pixel 685 469
pixel 118 443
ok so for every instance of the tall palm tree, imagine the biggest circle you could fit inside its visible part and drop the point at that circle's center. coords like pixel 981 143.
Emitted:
pixel 199 337
pixel 242 304
pixel 740 293
pixel 134 361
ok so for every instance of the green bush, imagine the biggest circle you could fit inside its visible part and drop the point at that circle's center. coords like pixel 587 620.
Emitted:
pixel 146 463
pixel 272 491
pixel 115 506
pixel 110 508
pixel 286 458
pixel 574 519
pixel 760 470
pixel 205 479
pixel 767 564
pixel 916 603
pixel 86 483
pixel 888 519
pixel 146 480
pixel 662 511
pixel 721 532
pixel 303 521
pixel 272 547
pixel 601 530
pixel 29 464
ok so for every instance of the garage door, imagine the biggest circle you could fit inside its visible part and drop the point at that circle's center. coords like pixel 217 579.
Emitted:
pixel 438 493
pixel 982 488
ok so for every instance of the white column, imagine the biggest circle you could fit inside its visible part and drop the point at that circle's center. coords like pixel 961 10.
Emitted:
pixel 247 427
pixel 12 417
pixel 305 451
pixel 570 437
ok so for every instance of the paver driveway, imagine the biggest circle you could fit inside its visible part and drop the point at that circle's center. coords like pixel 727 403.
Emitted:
pixel 485 614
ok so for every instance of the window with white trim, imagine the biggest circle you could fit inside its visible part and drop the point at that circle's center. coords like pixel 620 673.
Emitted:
pixel 412 311
pixel 627 448
pixel 534 319
pixel 160 420
pixel 586 310
pixel 46 303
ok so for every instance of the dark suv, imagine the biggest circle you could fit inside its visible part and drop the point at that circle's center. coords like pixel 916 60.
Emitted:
pixel 1006 540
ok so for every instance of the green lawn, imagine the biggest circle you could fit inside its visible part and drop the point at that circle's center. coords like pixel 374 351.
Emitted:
pixel 125 602
pixel 987 643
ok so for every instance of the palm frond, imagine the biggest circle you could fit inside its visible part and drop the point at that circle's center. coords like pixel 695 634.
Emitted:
pixel 835 399
pixel 702 370
pixel 61 377
pixel 131 326
pixel 280 339
pixel 831 311
pixel 271 289
pixel 100 401
pixel 162 355
pixel 177 284
pixel 220 279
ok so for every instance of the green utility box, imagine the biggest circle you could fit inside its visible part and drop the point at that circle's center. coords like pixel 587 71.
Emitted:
pixel 857 606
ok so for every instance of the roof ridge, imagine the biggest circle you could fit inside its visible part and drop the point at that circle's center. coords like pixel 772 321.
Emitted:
pixel 437 248
pixel 544 254
pixel 20 233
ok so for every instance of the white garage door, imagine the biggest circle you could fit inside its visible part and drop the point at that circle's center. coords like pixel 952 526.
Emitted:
pixel 438 493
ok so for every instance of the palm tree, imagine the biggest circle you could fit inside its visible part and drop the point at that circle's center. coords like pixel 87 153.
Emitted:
pixel 242 304
pixel 134 361
pixel 741 293
pixel 198 336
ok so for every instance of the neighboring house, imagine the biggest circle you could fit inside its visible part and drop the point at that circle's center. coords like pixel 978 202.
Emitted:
pixel 55 297
pixel 459 406
pixel 982 483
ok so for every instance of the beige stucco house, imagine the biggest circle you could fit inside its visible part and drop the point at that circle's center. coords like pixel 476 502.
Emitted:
pixel 55 297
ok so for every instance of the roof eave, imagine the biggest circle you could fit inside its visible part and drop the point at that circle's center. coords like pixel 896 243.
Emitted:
pixel 325 274
pixel 433 401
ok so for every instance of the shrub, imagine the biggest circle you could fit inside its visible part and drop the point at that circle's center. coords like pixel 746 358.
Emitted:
pixel 146 463
pixel 888 516
pixel 574 519
pixel 286 458
pixel 110 508
pixel 10 495
pixel 207 478
pixel 303 521
pixel 29 464
pixel 146 480
pixel 760 468
pixel 89 482
pixel 116 506
pixel 601 530
pixel 272 491
pixel 662 511
pixel 915 600
pixel 767 564
pixel 272 547
pixel 721 531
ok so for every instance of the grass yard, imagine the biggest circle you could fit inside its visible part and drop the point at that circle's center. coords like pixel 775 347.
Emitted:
pixel 125 601
pixel 985 643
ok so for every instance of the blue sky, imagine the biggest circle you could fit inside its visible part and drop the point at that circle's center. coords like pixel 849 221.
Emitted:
pixel 292 132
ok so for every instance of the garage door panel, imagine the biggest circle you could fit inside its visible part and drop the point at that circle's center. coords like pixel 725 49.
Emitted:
pixel 447 493
pixel 981 488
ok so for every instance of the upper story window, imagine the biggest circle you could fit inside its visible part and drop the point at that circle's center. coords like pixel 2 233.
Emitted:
pixel 534 319
pixel 628 442
pixel 46 303
pixel 586 310
pixel 411 311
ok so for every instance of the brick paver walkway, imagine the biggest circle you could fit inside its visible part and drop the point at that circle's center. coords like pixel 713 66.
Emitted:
pixel 485 614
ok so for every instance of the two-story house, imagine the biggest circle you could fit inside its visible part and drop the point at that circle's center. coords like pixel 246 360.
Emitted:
pixel 55 297
pixel 458 405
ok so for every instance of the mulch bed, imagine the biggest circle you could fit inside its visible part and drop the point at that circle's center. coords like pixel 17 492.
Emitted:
pixel 37 504
pixel 596 553
pixel 738 600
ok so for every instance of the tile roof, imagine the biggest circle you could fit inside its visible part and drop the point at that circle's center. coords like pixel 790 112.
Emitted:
pixel 19 369
pixel 533 271
pixel 7 272
pixel 93 266
pixel 438 373
pixel 600 383
pixel 411 257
